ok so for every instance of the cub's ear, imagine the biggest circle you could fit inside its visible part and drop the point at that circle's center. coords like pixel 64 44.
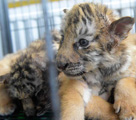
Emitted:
pixel 121 27
pixel 65 10
pixel 4 79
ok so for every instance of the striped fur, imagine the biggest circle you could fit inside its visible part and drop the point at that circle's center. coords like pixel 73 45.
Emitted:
pixel 29 80
pixel 27 77
pixel 96 47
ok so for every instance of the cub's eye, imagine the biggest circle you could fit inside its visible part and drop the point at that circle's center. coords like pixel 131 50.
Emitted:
pixel 83 42
pixel 62 39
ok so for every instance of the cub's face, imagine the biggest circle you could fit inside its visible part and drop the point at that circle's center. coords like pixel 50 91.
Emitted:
pixel 89 38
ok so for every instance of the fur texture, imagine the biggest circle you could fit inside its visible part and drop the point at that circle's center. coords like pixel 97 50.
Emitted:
pixel 27 78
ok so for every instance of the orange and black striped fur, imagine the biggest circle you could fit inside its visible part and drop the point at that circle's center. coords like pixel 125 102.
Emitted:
pixel 96 54
pixel 27 78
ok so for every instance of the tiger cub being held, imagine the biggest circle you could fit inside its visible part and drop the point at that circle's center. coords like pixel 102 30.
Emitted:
pixel 96 54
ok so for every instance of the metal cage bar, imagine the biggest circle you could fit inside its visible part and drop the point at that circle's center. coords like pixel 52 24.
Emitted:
pixel 5 28
pixel 51 66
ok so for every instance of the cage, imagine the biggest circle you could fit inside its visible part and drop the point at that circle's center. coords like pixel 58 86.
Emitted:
pixel 23 21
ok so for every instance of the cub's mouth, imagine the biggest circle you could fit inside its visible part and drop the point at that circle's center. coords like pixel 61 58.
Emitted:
pixel 75 69
pixel 73 74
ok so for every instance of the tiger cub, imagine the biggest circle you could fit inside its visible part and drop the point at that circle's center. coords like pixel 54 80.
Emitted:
pixel 27 79
pixel 97 54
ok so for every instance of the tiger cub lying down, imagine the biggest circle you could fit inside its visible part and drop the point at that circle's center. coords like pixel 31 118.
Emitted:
pixel 96 54
pixel 26 79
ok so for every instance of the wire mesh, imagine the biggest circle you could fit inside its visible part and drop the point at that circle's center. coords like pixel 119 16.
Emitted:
pixel 27 21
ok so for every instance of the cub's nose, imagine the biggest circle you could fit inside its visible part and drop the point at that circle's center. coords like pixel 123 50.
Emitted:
pixel 62 65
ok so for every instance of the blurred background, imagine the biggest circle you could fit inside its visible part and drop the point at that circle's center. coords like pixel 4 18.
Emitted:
pixel 22 21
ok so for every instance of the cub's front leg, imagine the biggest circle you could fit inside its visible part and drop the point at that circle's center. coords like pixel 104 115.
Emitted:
pixel 7 107
pixel 100 109
pixel 77 102
pixel 72 104
pixel 125 99
pixel 28 106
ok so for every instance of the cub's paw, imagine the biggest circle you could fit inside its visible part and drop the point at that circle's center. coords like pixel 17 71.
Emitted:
pixel 7 109
pixel 29 107
pixel 125 109
pixel 42 109
pixel 30 112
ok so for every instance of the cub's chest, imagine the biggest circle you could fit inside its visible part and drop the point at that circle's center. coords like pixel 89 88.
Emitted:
pixel 98 86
